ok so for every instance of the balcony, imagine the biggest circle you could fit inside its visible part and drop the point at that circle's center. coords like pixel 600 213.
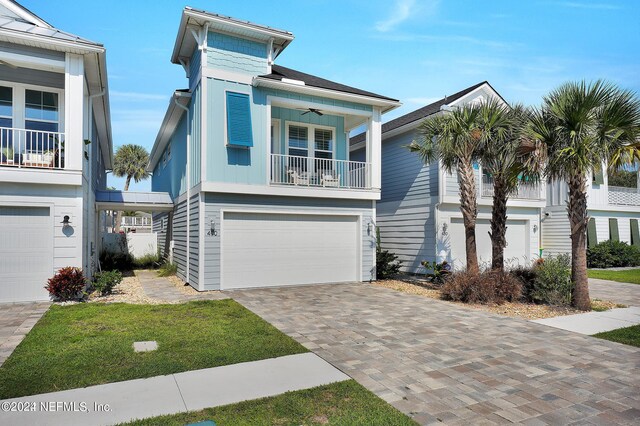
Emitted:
pixel 298 171
pixel 23 148
pixel 526 191
pixel 622 196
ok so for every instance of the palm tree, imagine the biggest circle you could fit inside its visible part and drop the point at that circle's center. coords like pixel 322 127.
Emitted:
pixel 131 162
pixel 454 138
pixel 585 126
pixel 509 158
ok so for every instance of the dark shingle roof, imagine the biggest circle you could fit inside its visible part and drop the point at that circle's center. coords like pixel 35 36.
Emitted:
pixel 420 113
pixel 279 72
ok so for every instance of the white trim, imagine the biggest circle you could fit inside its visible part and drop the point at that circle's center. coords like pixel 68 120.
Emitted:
pixel 277 135
pixel 202 219
pixel 220 74
pixel 20 37
pixel 326 93
pixel 26 14
pixel 290 191
pixel 46 177
pixel 25 61
pixel 204 137
pixel 284 211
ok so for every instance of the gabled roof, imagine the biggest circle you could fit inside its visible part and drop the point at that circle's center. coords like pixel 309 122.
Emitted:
pixel 279 73
pixel 185 43
pixel 424 112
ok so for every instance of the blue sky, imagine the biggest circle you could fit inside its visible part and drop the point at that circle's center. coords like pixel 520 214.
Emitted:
pixel 412 50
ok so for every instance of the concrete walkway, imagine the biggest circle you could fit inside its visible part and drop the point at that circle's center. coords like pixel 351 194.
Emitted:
pixel 439 362
pixel 16 320
pixel 625 293
pixel 192 390
pixel 595 322
pixel 161 288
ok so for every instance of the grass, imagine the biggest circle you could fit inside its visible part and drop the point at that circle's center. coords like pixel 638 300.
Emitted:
pixel 344 403
pixel 627 335
pixel 90 344
pixel 628 276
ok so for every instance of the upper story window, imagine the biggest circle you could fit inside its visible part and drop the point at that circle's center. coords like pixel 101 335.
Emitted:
pixel 41 110
pixel 6 106
pixel 311 141
pixel 239 131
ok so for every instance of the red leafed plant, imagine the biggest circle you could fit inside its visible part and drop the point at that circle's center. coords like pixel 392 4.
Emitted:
pixel 66 284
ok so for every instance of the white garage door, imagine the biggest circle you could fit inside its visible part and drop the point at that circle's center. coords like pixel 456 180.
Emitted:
pixel 516 252
pixel 283 249
pixel 26 253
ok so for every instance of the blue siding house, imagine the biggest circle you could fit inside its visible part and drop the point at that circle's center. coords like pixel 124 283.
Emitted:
pixel 256 158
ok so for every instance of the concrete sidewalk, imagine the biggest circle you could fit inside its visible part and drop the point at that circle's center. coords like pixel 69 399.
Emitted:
pixel 192 390
pixel 595 322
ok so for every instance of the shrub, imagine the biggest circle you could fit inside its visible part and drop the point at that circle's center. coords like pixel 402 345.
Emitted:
pixel 110 261
pixel 441 271
pixel 387 264
pixel 167 269
pixel 527 277
pixel 486 287
pixel 67 284
pixel 609 254
pixel 147 261
pixel 105 281
pixel 552 284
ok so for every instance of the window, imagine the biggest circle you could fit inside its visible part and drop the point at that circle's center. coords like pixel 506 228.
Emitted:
pixel 239 132
pixel 6 106
pixel 323 143
pixel 41 111
pixel 298 141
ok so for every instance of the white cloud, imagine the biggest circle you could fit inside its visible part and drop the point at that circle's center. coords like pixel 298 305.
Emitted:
pixel 598 6
pixel 403 11
pixel 137 96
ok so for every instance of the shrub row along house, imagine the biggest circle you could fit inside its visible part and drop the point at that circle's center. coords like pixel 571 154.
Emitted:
pixel 256 181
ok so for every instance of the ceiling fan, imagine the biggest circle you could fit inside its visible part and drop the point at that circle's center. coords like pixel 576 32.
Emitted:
pixel 313 110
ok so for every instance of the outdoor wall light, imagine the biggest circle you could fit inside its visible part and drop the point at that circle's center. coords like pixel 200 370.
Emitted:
pixel 65 221
pixel 212 229
pixel 370 228
pixel 445 227
pixel 535 228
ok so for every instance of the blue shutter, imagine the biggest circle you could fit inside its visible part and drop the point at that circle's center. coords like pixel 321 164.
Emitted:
pixel 239 120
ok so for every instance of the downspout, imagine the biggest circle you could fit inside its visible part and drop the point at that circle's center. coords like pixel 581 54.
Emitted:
pixel 177 95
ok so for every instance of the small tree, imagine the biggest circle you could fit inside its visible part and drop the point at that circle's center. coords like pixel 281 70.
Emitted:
pixel 130 162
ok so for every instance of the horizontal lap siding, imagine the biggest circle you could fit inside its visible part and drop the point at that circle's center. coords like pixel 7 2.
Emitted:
pixel 180 238
pixel 214 203
pixel 405 214
pixel 161 228
pixel 194 242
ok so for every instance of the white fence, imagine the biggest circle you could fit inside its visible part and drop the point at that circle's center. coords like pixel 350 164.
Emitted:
pixel 31 148
pixel 319 172
pixel 137 245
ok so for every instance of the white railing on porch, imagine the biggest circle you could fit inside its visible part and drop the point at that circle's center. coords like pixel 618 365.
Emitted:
pixel 319 172
pixel 622 196
pixel 31 148
pixel 526 191
pixel 136 221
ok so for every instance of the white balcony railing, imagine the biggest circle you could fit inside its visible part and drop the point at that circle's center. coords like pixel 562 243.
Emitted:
pixel 622 196
pixel 31 148
pixel 133 221
pixel 319 172
pixel 526 191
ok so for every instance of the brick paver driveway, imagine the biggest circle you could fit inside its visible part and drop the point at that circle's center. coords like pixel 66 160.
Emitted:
pixel 16 320
pixel 442 363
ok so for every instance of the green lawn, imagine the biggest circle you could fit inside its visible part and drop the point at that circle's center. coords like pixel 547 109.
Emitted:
pixel 628 276
pixel 344 403
pixel 627 335
pixel 89 344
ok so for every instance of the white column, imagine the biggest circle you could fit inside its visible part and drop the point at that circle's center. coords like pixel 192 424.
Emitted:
pixel 375 143
pixel 73 114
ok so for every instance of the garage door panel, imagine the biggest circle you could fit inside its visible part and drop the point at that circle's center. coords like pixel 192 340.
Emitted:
pixel 285 249
pixel 516 252
pixel 26 253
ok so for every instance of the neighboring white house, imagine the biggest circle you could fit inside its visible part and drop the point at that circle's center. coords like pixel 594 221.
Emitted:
pixel 55 144
pixel 419 212
pixel 256 158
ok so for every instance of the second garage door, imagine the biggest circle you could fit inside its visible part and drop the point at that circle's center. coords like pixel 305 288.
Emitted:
pixel 260 249
pixel 516 252
pixel 26 253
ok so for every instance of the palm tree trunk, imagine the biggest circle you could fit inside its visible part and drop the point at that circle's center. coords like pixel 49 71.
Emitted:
pixel 469 209
pixel 498 224
pixel 578 219
pixel 119 215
